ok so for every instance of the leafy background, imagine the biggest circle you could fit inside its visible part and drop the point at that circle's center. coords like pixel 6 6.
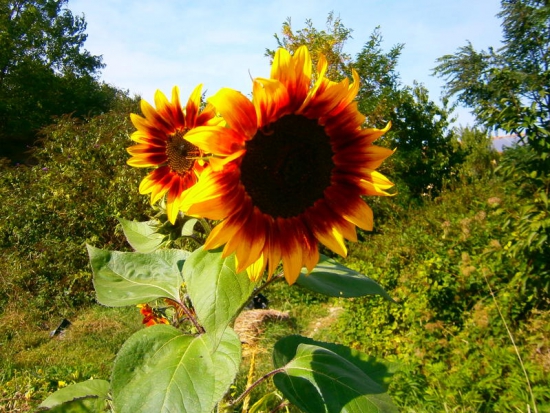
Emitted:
pixel 462 248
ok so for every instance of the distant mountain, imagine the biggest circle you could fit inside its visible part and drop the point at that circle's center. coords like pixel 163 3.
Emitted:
pixel 500 142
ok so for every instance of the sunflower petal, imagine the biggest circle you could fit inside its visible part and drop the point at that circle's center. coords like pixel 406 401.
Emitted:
pixel 291 252
pixel 215 139
pixel 192 108
pixel 237 110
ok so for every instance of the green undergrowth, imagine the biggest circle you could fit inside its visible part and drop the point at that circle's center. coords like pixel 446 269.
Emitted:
pixel 440 265
pixel 439 259
pixel 33 364
pixel 301 311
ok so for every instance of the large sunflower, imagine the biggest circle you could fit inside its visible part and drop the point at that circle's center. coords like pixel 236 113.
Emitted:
pixel 289 170
pixel 160 144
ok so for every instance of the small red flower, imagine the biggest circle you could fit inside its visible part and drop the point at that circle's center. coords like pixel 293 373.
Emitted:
pixel 150 316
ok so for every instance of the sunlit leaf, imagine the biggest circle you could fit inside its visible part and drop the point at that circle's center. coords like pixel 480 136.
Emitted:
pixel 142 236
pixel 378 370
pixel 319 380
pixel 215 289
pixel 160 369
pixel 188 227
pixel 130 278
pixel 84 397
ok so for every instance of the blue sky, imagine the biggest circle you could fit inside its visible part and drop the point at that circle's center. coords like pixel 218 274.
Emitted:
pixel 156 44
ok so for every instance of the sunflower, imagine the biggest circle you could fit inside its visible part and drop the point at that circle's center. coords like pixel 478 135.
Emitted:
pixel 289 170
pixel 161 144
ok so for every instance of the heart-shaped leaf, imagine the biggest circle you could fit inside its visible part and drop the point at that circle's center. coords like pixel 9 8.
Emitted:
pixel 215 289
pixel 378 370
pixel 130 278
pixel 160 369
pixel 335 280
pixel 319 380
pixel 83 397
pixel 142 236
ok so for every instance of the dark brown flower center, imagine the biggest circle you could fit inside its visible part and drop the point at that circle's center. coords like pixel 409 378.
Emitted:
pixel 287 166
pixel 181 154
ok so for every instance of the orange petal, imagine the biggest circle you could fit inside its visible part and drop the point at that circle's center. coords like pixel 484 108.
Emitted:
pixel 237 110
pixel 252 241
pixel 215 139
pixel 291 251
pixel 270 99
pixel 192 108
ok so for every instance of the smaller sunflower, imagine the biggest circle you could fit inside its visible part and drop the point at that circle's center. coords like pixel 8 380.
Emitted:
pixel 161 145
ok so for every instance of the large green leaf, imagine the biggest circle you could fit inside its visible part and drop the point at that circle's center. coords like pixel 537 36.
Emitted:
pixel 85 397
pixel 319 380
pixel 378 370
pixel 130 278
pixel 160 369
pixel 335 280
pixel 142 236
pixel 215 289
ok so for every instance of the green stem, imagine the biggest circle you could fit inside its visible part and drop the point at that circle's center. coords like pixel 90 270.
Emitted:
pixel 189 314
pixel 253 385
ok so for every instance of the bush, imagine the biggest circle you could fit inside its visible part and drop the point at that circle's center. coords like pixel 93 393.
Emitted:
pixel 79 185
pixel 446 330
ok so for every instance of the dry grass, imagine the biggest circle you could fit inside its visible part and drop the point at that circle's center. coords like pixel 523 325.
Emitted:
pixel 250 325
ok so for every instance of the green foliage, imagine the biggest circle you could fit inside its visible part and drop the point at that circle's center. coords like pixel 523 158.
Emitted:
pixel 217 291
pixel 329 43
pixel 509 89
pixel 317 379
pixel 479 156
pixel 44 70
pixel 336 280
pixel 164 368
pixel 446 331
pixel 352 371
pixel 426 151
pixel 73 194
pixel 81 397
pixel 159 369
pixel 131 278
pixel 528 225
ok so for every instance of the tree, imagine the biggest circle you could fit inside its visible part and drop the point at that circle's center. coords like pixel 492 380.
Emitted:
pixel 380 91
pixel 427 153
pixel 507 88
pixel 329 43
pixel 44 70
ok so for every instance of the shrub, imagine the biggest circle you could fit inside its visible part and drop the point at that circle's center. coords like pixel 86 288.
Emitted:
pixel 79 185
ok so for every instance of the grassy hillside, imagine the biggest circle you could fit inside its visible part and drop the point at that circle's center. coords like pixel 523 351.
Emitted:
pixel 463 292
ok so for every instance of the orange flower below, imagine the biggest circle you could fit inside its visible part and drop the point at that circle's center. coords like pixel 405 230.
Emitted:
pixel 150 316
